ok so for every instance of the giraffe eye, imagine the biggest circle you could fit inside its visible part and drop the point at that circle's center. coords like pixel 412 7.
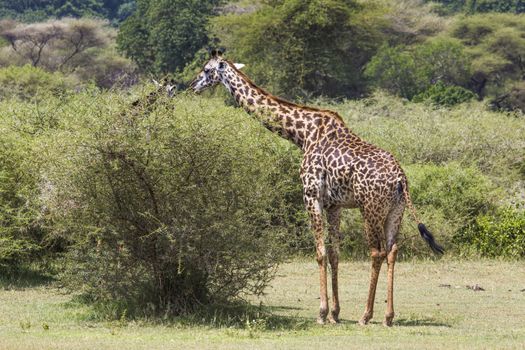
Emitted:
pixel 206 70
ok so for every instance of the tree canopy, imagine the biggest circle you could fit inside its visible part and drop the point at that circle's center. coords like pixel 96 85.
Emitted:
pixel 304 47
pixel 163 35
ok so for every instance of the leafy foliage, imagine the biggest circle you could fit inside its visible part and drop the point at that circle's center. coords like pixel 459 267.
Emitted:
pixel 459 192
pixel 447 198
pixel 514 100
pixel 170 209
pixel 498 235
pixel 297 48
pixel 21 231
pixel 27 82
pixel 408 72
pixel 482 6
pixel 162 36
pixel 497 46
pixel 445 95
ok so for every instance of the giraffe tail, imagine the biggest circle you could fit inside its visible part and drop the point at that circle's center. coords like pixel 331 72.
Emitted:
pixel 425 233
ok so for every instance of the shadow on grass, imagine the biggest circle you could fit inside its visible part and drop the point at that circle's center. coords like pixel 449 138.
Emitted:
pixel 23 278
pixel 246 316
pixel 420 322
pixel 265 318
pixel 233 316
pixel 240 315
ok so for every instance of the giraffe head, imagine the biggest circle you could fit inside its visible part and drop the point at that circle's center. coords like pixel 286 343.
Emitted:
pixel 212 73
pixel 169 85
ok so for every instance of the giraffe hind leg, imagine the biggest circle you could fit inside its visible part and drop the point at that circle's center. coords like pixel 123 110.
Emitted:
pixel 374 234
pixel 392 224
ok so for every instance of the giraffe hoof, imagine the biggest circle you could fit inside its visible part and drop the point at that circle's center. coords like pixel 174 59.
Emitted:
pixel 388 323
pixel 334 320
pixel 321 321
pixel 365 319
pixel 334 315
pixel 389 320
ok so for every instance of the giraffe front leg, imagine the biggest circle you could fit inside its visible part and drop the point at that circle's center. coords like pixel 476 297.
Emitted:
pixel 333 215
pixel 317 225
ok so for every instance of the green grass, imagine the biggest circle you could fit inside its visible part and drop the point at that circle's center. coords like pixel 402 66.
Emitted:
pixel 434 308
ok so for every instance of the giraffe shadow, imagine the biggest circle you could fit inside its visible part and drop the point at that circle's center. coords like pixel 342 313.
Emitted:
pixel 282 308
pixel 248 317
pixel 421 322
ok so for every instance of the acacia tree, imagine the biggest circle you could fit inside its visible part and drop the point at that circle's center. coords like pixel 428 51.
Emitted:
pixel 56 45
pixel 304 47
pixel 29 41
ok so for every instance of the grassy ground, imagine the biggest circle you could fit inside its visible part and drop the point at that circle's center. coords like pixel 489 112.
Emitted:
pixel 434 310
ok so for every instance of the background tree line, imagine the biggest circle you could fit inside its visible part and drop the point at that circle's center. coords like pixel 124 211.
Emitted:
pixel 298 49
pixel 39 10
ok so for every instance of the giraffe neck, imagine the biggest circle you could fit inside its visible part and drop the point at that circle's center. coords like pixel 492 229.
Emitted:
pixel 296 123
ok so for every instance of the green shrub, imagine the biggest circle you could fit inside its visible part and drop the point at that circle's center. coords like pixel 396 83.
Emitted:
pixel 395 70
pixel 501 234
pixel 460 192
pixel 445 95
pixel 447 199
pixel 78 48
pixel 27 82
pixel 21 229
pixel 167 210
pixel 410 22
pixel 410 71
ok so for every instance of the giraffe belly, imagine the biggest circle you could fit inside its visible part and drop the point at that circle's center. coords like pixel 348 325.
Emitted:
pixel 339 192
pixel 335 198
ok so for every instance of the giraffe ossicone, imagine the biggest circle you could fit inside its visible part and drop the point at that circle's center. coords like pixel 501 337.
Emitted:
pixel 339 170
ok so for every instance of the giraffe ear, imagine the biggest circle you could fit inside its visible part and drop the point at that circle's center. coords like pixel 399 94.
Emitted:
pixel 239 65
pixel 157 84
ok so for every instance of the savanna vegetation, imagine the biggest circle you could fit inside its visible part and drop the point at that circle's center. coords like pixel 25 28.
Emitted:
pixel 158 208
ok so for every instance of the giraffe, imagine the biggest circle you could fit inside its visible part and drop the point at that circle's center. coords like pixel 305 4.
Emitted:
pixel 339 170
pixel 145 104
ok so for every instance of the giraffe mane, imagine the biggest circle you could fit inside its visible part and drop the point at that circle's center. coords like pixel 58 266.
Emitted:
pixel 282 100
